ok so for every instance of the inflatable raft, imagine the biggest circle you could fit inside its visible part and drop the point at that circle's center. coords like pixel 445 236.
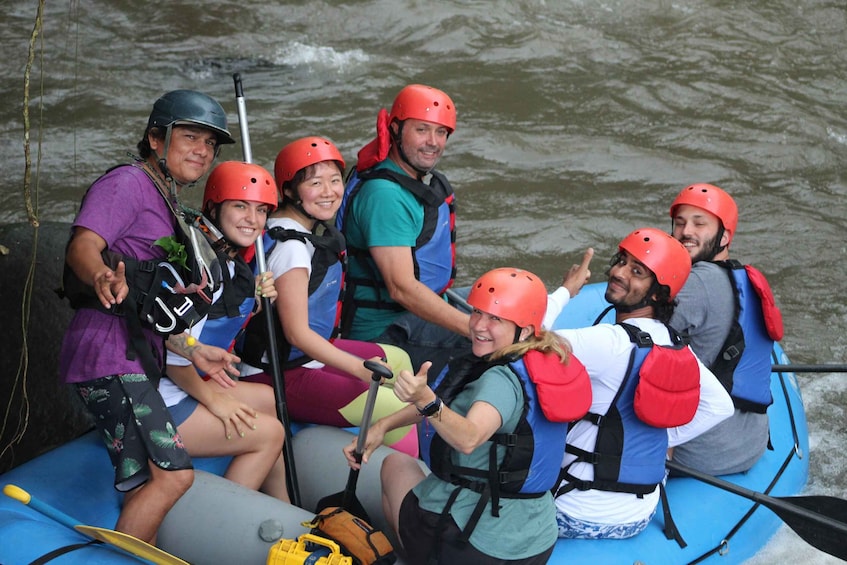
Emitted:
pixel 218 522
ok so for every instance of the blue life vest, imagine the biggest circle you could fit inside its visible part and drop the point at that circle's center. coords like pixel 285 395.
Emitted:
pixel 325 285
pixel 743 365
pixel 434 254
pixel 629 455
pixel 230 314
pixel 533 455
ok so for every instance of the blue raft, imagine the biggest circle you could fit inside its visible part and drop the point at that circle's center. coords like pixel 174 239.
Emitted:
pixel 217 521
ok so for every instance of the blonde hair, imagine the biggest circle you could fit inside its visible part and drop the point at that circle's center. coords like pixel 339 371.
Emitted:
pixel 545 342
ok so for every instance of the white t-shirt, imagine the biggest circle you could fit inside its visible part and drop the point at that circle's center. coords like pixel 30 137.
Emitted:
pixel 605 349
pixel 287 255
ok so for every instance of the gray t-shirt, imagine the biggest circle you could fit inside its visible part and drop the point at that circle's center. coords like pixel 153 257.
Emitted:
pixel 705 310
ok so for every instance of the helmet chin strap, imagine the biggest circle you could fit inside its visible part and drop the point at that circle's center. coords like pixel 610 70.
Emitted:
pixel 397 140
pixel 517 335
pixel 647 301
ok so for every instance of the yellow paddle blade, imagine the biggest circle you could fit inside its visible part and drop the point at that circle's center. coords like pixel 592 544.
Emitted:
pixel 131 544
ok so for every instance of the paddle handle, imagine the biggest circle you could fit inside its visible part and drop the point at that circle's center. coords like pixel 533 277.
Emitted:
pixel 378 372
pixel 19 494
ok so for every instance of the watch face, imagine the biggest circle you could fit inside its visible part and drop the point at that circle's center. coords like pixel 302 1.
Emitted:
pixel 431 408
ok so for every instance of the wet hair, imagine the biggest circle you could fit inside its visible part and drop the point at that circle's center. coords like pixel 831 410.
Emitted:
pixel 300 176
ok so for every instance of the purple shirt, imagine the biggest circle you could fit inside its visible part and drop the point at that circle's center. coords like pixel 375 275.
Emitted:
pixel 125 209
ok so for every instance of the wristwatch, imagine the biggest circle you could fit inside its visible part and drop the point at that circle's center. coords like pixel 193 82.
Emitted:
pixel 430 409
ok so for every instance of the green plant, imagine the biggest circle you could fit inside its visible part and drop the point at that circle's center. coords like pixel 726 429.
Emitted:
pixel 175 250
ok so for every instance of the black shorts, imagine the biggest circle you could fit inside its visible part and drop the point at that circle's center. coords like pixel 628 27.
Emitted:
pixel 136 427
pixel 419 531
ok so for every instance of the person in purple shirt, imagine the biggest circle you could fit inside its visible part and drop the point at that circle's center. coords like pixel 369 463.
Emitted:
pixel 126 212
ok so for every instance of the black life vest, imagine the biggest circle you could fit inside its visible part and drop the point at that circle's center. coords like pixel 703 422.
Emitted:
pixel 530 465
pixel 434 254
pixel 326 284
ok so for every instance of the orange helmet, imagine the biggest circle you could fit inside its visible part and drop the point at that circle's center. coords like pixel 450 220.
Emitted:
pixel 662 254
pixel 236 180
pixel 302 153
pixel 511 294
pixel 425 103
pixel 711 199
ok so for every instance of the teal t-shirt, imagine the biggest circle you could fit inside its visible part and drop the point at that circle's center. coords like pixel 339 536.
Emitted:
pixel 526 526
pixel 383 214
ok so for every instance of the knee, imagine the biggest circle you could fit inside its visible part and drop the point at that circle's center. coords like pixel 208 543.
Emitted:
pixel 176 483
pixel 276 434
pixel 389 467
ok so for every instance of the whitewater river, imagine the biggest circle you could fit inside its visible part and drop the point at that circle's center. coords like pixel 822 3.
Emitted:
pixel 578 121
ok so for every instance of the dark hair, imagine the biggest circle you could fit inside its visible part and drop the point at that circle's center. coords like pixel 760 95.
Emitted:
pixel 664 305
pixel 144 149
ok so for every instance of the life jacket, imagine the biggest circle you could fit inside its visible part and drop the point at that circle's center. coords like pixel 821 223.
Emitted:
pixel 434 254
pixel 326 282
pixel 232 312
pixel 166 296
pixel 629 453
pixel 530 465
pixel 743 365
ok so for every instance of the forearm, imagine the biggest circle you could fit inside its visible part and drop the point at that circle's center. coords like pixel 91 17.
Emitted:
pixel 315 346
pixel 403 417
pixel 183 345
pixel 421 301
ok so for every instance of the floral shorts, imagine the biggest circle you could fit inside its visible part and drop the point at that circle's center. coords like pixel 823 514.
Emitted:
pixel 571 528
pixel 135 426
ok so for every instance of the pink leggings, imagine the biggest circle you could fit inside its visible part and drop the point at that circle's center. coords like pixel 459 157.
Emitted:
pixel 335 398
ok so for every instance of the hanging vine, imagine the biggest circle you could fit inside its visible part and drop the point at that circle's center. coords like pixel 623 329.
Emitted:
pixel 36 46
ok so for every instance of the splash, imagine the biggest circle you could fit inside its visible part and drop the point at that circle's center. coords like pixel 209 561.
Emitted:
pixel 297 54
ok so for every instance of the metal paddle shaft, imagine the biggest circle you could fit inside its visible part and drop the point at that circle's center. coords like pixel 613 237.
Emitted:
pixel 347 498
pixel 820 520
pixel 267 307
pixel 120 540
pixel 458 300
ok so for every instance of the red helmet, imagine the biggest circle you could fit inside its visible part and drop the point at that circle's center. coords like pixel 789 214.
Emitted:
pixel 662 254
pixel 236 180
pixel 302 153
pixel 511 294
pixel 424 103
pixel 711 199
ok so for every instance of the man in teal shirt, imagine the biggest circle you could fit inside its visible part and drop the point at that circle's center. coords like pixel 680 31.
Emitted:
pixel 399 223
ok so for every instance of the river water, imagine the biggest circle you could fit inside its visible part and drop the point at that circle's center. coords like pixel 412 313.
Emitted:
pixel 579 121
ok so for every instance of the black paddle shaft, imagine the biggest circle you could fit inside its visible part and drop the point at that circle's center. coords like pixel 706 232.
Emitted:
pixel 347 498
pixel 820 520
pixel 268 311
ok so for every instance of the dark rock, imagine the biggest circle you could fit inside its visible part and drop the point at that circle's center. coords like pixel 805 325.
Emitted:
pixel 38 412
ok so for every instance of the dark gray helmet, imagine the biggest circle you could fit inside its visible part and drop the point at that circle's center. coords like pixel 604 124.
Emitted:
pixel 190 107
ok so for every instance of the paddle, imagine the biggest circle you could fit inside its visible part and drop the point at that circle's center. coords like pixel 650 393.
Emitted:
pixel 459 301
pixel 823 368
pixel 820 520
pixel 114 538
pixel 267 307
pixel 347 499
